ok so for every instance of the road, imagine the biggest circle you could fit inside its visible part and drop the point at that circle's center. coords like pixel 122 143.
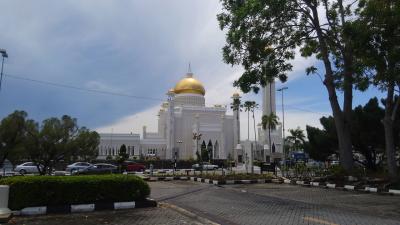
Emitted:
pixel 278 204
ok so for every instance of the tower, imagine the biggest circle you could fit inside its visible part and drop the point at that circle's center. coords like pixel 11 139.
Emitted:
pixel 269 104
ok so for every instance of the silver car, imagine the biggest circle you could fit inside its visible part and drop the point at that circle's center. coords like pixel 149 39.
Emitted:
pixel 27 167
pixel 74 167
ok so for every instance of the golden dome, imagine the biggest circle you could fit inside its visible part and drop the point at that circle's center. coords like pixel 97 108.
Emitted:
pixel 189 85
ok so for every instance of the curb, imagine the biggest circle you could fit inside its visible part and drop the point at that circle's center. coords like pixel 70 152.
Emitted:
pixel 78 208
pixel 345 188
pixel 187 213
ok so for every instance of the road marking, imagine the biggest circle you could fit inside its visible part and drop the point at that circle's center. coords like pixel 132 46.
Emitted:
pixel 318 220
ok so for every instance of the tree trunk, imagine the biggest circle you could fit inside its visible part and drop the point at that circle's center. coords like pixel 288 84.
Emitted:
pixel 269 142
pixel 248 125
pixel 388 121
pixel 342 122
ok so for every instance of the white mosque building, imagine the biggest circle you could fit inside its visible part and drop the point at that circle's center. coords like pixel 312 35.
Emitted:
pixel 185 115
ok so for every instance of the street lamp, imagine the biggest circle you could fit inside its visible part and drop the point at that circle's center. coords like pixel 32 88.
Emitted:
pixel 4 55
pixel 283 126
pixel 176 154
pixel 197 137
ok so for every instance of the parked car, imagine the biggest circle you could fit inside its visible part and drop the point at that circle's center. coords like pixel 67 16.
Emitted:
pixel 205 166
pixel 134 166
pixel 77 166
pixel 100 168
pixel 27 167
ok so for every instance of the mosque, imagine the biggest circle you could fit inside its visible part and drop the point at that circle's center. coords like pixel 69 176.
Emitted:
pixel 186 125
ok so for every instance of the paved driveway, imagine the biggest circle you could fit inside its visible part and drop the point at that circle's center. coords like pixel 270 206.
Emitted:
pixel 278 204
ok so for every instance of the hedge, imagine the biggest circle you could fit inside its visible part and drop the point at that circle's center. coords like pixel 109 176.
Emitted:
pixel 27 191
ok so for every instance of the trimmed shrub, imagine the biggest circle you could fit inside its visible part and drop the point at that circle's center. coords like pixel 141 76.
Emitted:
pixel 27 191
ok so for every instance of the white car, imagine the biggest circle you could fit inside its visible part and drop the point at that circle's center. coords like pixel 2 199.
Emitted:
pixel 206 166
pixel 28 167
pixel 77 166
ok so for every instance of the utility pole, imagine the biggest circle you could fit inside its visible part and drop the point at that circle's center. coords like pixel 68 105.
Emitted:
pixel 4 55
pixel 283 127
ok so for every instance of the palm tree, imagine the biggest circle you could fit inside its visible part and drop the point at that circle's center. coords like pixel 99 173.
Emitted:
pixel 254 106
pixel 236 105
pixel 271 121
pixel 248 107
pixel 296 138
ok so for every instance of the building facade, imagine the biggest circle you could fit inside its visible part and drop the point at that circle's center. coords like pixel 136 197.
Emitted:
pixel 185 116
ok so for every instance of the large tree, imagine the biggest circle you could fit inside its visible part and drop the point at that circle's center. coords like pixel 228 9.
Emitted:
pixel 86 145
pixel 12 131
pixel 50 142
pixel 263 35
pixel 378 47
pixel 368 131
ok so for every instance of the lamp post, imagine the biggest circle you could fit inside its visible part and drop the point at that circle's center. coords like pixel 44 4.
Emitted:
pixel 176 154
pixel 283 127
pixel 197 137
pixel 4 55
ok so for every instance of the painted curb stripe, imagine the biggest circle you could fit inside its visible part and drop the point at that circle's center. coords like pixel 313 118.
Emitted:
pixel 82 208
pixel 30 211
pixel 124 205
pixel 397 192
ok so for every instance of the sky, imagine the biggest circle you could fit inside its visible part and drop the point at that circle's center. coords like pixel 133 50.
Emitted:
pixel 136 49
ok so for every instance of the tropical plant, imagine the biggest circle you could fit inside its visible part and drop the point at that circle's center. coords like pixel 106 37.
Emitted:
pixel 296 139
pixel 269 121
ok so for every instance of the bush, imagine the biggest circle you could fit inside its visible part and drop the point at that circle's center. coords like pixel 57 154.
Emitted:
pixel 337 172
pixel 27 191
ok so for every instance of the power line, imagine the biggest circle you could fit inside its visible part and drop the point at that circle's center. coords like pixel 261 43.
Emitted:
pixel 79 88
pixel 306 110
pixel 115 93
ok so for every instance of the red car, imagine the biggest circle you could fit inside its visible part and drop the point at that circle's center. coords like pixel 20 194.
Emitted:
pixel 135 167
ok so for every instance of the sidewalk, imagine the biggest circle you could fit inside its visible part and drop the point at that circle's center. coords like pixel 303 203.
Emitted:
pixel 165 214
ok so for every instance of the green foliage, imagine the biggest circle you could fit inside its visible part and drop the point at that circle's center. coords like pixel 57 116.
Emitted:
pixel 86 145
pixel 12 136
pixel 269 121
pixel 337 172
pixel 296 139
pixel 27 191
pixel 54 140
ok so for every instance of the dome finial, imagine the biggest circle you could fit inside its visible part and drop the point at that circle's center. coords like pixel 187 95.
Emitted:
pixel 189 73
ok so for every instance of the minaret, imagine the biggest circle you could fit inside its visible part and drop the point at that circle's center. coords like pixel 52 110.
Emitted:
pixel 170 125
pixel 269 105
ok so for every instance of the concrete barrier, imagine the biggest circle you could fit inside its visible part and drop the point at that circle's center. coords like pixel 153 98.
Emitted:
pixel 5 212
